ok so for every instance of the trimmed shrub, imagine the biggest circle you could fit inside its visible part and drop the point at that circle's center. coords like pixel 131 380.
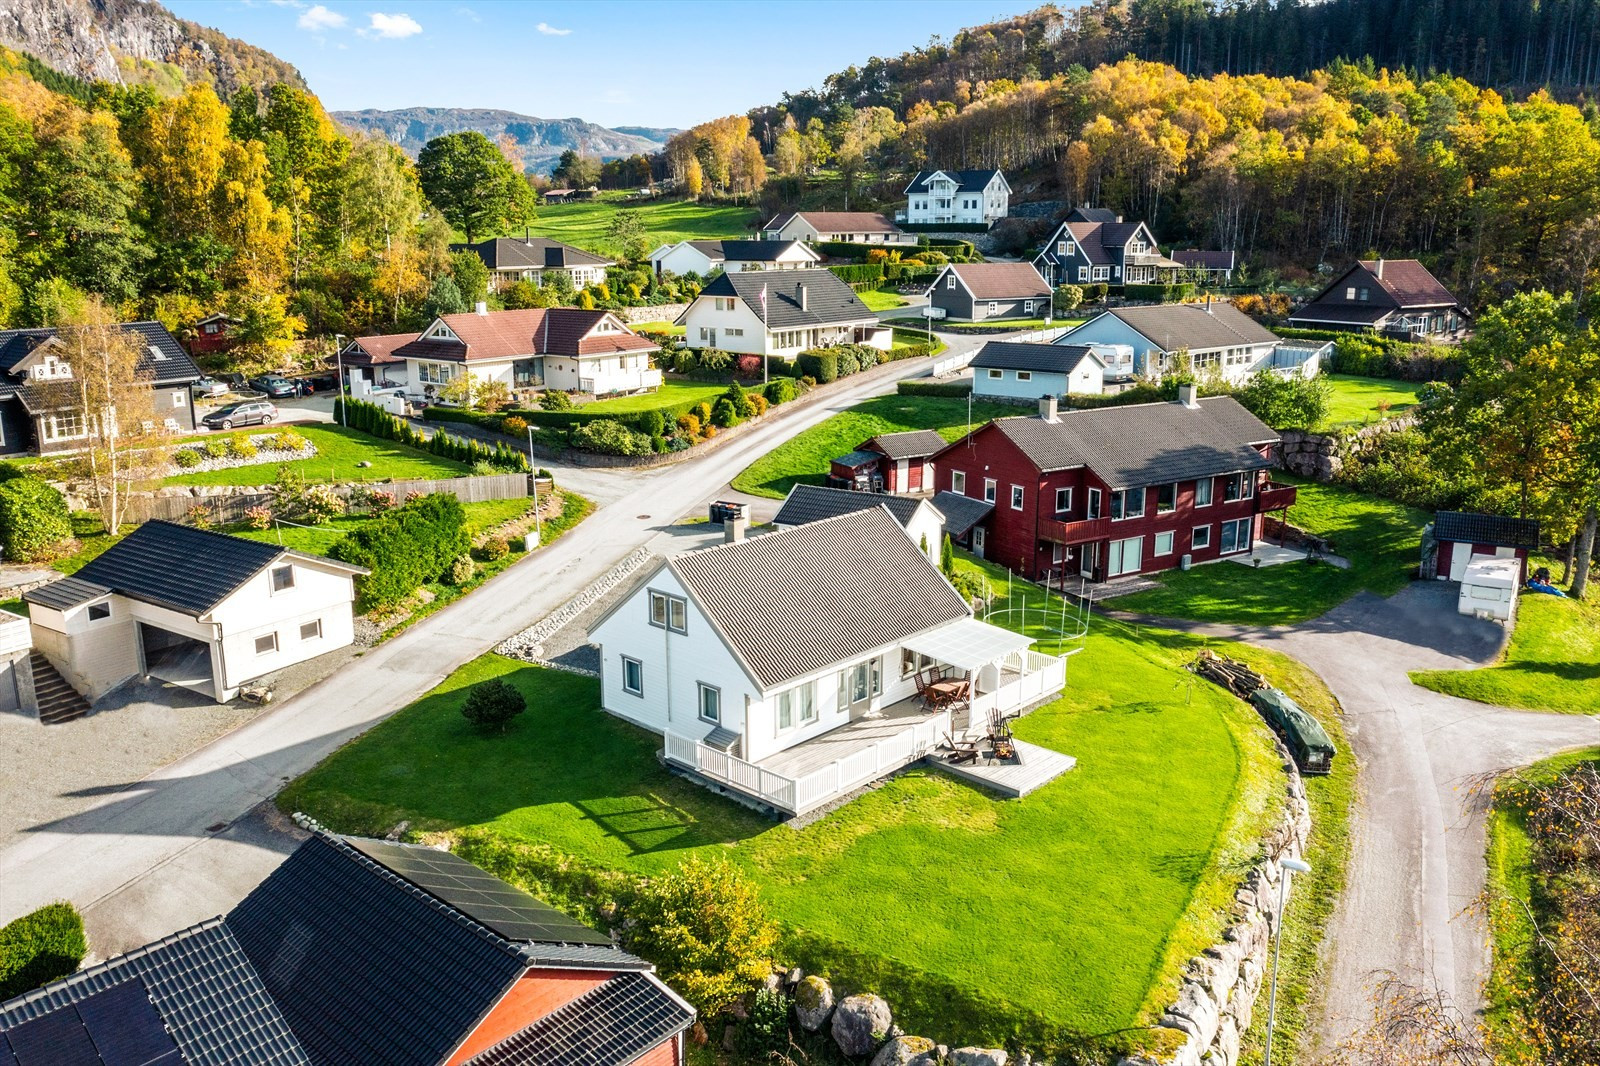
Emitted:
pixel 492 704
pixel 1285 403
pixel 555 400
pixel 858 273
pixel 258 517
pixel 780 390
pixel 819 363
pixel 923 387
pixel 241 448
pixel 689 427
pixel 461 570
pixel 216 448
pixel 740 400
pixel 724 414
pixel 40 947
pixel 493 549
pixel 652 423
pixel 1166 294
pixel 405 548
pixel 186 458
pixel 33 519
pixel 607 436
pixel 514 425
pixel 1067 298
pixel 287 440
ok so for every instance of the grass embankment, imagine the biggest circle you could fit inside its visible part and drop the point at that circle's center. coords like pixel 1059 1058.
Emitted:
pixel 1377 536
pixel 878 300
pixel 1009 324
pixel 1105 881
pixel 1355 401
pixel 665 221
pixel 1551 664
pixel 669 394
pixel 338 451
pixel 804 458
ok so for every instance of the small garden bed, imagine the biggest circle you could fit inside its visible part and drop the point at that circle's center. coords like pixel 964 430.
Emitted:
pixel 240 450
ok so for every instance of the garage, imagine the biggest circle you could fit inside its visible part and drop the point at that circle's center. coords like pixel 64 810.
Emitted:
pixel 176 658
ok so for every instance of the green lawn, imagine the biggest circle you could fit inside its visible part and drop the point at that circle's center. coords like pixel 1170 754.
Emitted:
pixel 882 301
pixel 669 394
pixel 1115 873
pixel 338 452
pixel 1551 664
pixel 1355 400
pixel 318 539
pixel 905 337
pixel 1007 323
pixel 665 221
pixel 804 459
pixel 658 327
pixel 1378 536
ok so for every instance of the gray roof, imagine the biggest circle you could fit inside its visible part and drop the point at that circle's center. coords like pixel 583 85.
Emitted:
pixel 1092 214
pixel 195 990
pixel 160 354
pixel 960 512
pixel 859 458
pixel 1204 259
pixel 966 180
pixel 1042 358
pixel 1145 444
pixel 812 503
pixel 1499 530
pixel 529 253
pixel 910 444
pixel 66 593
pixel 755 251
pixel 828 300
pixel 808 598
pixel 1197 327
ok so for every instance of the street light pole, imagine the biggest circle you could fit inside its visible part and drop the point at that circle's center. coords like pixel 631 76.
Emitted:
pixel 338 357
pixel 1287 867
pixel 533 479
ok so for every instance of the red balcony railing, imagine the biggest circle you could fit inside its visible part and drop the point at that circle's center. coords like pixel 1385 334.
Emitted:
pixel 1273 497
pixel 1079 532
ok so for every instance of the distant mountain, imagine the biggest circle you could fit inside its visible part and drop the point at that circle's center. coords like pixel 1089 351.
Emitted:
pixel 131 42
pixel 542 139
pixel 653 133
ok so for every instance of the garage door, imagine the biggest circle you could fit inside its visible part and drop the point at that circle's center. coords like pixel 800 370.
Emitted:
pixel 176 658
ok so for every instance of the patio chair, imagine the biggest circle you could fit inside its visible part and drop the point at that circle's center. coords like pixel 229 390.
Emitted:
pixel 927 698
pixel 960 750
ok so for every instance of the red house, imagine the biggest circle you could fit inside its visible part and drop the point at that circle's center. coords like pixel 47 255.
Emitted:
pixel 211 334
pixel 1461 534
pixel 898 463
pixel 1117 491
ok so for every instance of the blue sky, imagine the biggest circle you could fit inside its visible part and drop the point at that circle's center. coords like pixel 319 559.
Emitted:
pixel 615 63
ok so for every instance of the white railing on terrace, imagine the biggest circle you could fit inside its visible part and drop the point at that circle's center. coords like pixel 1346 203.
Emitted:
pixel 1042 675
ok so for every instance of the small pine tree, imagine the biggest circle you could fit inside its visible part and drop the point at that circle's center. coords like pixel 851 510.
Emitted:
pixel 492 704
pixel 947 557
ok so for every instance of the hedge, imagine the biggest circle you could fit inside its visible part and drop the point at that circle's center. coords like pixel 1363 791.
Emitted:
pixel 1376 356
pixel 40 947
pixel 1166 294
pixel 405 548
pixel 854 273
pixel 944 227
pixel 923 387
pixel 33 519
pixel 371 419
pixel 607 436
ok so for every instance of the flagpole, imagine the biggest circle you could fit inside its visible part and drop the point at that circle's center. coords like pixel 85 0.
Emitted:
pixel 764 334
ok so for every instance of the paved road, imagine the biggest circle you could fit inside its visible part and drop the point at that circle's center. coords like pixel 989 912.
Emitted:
pixel 156 826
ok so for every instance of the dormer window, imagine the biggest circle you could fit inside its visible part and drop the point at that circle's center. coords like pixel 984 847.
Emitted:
pixel 1350 293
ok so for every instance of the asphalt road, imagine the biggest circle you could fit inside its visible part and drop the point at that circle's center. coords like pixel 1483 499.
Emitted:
pixel 166 836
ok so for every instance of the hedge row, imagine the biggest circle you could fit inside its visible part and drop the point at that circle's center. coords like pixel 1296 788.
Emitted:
pixel 371 419
pixel 944 227
pixel 33 519
pixel 1376 356
pixel 922 387
pixel 405 548
pixel 858 272
pixel 40 947
pixel 1167 294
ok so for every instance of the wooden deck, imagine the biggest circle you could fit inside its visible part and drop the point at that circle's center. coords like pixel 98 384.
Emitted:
pixel 839 743
pixel 1037 768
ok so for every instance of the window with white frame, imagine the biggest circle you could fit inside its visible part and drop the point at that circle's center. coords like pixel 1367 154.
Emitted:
pixel 1063 500
pixel 996 375
pixel 1027 307
pixel 1016 497
pixel 1127 503
pixel 958 482
pixel 177 399
pixel 632 676
pixel 950 280
pixel 709 702
pixel 1236 535
pixel 797 706
pixel 311 630
pixel 1094 504
pixel 434 373
pixel 1024 375
pixel 1202 492
pixel 65 426
pixel 1163 545
pixel 1350 293
pixel 1125 556
pixel 668 612
pixel 1083 273
pixel 1200 537
pixel 994 307
pixel 989 489
pixel 1240 486
pixel 1166 498
pixel 282 578
pixel 267 645
pixel 1070 248
pixel 1061 248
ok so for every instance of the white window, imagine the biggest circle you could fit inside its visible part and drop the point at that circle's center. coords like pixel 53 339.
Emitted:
pixel 1070 248
pixel 710 702
pixel 668 612
pixel 98 612
pixel 996 375
pixel 1061 248
pixel 1236 535
pixel 1238 487
pixel 1350 293
pixel 732 332
pixel 797 706
pixel 1094 504
pixel 632 676
pixel 950 280
pixel 1200 538
pixel 177 399
pixel 1127 503
pixel 994 308
pixel 311 630
pixel 1125 556
pixel 282 578
pixel 1083 273
pixel 1024 375
pixel 704 335
pixel 1163 544
pixel 958 482
pixel 989 488
pixel 723 303
pixel 1016 497
pixel 1202 492
pixel 267 645
pixel 1063 500
pixel 1166 497
pixel 65 427
pixel 1027 307
pixel 1102 273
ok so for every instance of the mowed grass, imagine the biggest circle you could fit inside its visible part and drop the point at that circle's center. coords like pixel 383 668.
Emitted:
pixel 665 221
pixel 669 394
pixel 1551 664
pixel 338 451
pixel 1377 536
pixel 804 459
pixel 317 540
pixel 1099 886
pixel 882 301
pixel 1355 400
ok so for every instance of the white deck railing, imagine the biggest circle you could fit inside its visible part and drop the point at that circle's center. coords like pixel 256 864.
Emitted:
pixel 798 795
pixel 1042 675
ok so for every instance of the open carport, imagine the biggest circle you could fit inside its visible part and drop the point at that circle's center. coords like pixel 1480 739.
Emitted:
pixel 177 658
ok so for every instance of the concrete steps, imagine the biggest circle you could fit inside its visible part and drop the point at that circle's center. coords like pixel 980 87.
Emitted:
pixel 58 701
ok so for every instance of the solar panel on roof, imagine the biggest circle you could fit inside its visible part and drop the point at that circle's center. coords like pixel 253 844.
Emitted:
pixel 480 895
pixel 56 1039
pixel 126 1027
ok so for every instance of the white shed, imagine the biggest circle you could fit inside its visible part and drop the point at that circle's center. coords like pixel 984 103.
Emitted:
pixel 1489 588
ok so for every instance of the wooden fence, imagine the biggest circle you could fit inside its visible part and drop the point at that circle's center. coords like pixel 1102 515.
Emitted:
pixel 231 508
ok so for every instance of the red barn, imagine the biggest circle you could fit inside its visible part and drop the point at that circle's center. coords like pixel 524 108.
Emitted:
pixel 1117 491
pixel 898 463
pixel 211 334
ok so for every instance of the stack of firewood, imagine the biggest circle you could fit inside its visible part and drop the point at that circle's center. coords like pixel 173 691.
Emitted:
pixel 1231 674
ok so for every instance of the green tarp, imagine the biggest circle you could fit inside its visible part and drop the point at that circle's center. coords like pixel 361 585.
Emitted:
pixel 1276 705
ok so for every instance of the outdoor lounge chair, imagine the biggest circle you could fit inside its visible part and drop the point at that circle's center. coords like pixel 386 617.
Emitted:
pixel 960 750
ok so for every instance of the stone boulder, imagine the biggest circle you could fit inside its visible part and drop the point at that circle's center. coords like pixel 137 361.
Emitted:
pixel 907 1051
pixel 978 1056
pixel 861 1023
pixel 813 1002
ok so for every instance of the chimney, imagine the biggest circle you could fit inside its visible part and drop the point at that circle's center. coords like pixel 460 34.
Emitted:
pixel 1379 270
pixel 1047 409
pixel 800 294
pixel 482 308
pixel 733 529
pixel 527 236
pixel 1119 218
pixel 1208 303
pixel 555 256
pixel 1188 395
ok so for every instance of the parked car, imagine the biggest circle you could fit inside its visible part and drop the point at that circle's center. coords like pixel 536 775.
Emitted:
pixel 209 387
pixel 274 385
pixel 249 413
pixel 317 381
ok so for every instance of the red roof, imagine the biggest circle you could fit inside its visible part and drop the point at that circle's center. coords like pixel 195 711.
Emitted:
pixel 376 349
pixel 530 331
pixel 1000 281
pixel 1409 282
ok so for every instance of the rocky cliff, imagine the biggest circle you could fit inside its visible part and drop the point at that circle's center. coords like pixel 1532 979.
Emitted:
pixel 135 41
pixel 542 140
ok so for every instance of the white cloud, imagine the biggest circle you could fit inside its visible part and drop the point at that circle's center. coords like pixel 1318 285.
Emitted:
pixel 550 31
pixel 391 26
pixel 319 19
pixel 468 14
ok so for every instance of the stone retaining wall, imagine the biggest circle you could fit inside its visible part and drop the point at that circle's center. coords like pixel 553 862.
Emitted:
pixel 654 313
pixel 1321 456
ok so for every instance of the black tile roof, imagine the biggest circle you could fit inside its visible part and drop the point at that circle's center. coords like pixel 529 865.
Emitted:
pixel 1041 358
pixel 609 1025
pixel 531 253
pixel 188 570
pixel 960 512
pixel 910 444
pixel 66 593
pixel 813 503
pixel 196 990
pixel 966 180
pixel 828 300
pixel 160 353
pixel 758 251
pixel 1469 528
pixel 1092 214
pixel 1197 327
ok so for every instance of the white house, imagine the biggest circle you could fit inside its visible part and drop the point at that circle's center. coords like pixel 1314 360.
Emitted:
pixel 562 348
pixel 858 227
pixel 1018 371
pixel 203 610
pixel 966 197
pixel 704 258
pixel 917 516
pixel 1217 337
pixel 529 258
pixel 785 667
pixel 759 313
